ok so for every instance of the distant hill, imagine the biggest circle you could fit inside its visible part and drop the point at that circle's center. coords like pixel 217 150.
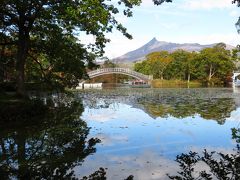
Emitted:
pixel 155 45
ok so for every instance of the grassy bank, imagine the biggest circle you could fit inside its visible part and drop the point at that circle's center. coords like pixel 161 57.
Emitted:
pixel 158 83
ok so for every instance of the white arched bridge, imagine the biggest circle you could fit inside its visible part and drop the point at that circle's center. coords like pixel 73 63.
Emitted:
pixel 125 71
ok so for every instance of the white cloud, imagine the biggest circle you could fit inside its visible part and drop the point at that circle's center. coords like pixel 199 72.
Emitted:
pixel 235 115
pixel 234 13
pixel 147 3
pixel 101 117
pixel 86 39
pixel 122 18
pixel 208 4
pixel 120 45
pixel 169 25
pixel 160 10
pixel 108 140
pixel 228 38
pixel 144 166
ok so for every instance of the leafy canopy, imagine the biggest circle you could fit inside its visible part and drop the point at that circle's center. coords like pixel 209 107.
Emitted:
pixel 45 31
pixel 212 65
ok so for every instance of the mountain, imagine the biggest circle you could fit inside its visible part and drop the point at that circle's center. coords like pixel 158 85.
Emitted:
pixel 155 45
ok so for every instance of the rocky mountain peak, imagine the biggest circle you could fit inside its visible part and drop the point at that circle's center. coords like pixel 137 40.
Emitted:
pixel 154 45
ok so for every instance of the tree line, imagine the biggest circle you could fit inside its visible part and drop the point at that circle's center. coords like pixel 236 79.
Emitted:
pixel 38 39
pixel 211 65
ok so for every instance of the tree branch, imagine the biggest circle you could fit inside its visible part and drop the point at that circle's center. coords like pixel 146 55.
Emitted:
pixel 48 69
pixel 40 65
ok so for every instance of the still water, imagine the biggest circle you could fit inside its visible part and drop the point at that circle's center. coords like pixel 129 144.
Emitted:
pixel 137 132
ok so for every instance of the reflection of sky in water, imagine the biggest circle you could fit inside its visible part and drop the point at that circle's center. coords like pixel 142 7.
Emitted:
pixel 135 143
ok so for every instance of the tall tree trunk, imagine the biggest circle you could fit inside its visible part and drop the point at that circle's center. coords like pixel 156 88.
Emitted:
pixel 189 77
pixel 210 73
pixel 161 74
pixel 22 50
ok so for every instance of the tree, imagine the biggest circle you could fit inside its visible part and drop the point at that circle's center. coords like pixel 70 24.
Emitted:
pixel 159 62
pixel 190 65
pixel 43 141
pixel 28 23
pixel 217 61
pixel 219 165
pixel 35 23
pixel 236 1
pixel 179 106
pixel 143 67
pixel 180 66
pixel 6 63
pixel 109 64
pixel 238 22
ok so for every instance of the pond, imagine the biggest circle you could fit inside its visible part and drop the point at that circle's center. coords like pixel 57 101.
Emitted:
pixel 127 133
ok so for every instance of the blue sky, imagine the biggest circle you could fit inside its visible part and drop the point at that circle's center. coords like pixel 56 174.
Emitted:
pixel 182 21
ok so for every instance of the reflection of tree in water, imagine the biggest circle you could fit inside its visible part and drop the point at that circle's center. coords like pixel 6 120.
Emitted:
pixel 208 103
pixel 216 108
pixel 217 165
pixel 50 142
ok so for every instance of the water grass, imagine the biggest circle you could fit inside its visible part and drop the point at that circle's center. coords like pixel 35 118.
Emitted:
pixel 158 83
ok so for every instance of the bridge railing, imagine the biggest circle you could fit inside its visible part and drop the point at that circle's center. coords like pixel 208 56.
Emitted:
pixel 120 70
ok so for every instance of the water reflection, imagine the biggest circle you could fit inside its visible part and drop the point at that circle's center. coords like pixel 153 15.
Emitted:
pixel 142 132
pixel 210 164
pixel 47 143
pixel 214 109
pixel 210 104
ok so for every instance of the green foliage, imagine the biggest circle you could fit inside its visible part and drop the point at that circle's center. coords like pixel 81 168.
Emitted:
pixel 43 32
pixel 109 64
pixel 217 109
pixel 211 65
pixel 7 61
pixel 219 165
pixel 143 67
pixel 158 62
pixel 43 140
pixel 217 62
pixel 236 1
pixel 178 66
pixel 97 175
pixel 238 22
pixel 236 134
pixel 65 68
pixel 155 64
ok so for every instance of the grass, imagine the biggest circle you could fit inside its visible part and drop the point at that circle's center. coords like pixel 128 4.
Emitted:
pixel 158 83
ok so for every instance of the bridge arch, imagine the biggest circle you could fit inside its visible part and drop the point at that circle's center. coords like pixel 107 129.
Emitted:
pixel 124 71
